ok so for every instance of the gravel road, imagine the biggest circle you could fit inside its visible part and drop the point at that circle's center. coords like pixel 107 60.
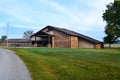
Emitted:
pixel 12 67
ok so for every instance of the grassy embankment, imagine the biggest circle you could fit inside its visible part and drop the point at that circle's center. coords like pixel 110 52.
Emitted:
pixel 71 64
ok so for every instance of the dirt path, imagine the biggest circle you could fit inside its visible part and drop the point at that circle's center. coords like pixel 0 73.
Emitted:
pixel 12 67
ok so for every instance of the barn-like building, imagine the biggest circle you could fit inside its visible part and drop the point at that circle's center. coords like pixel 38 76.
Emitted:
pixel 17 42
pixel 62 38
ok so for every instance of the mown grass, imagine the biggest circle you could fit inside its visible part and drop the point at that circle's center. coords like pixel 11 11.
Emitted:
pixel 71 64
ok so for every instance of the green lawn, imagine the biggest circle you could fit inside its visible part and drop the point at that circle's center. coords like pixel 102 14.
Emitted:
pixel 71 64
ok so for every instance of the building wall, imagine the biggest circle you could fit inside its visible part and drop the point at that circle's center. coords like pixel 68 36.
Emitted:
pixel 35 38
pixel 21 44
pixel 74 42
pixel 17 44
pixel 60 40
pixel 85 44
pixel 3 44
pixel 98 46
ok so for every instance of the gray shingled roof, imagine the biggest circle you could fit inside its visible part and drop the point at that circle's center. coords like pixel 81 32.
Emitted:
pixel 69 32
pixel 19 40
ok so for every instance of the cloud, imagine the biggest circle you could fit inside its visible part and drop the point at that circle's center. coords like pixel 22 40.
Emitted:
pixel 56 5
pixel 25 27
pixel 60 8
pixel 15 10
pixel 83 16
pixel 92 14
pixel 2 25
pixel 2 29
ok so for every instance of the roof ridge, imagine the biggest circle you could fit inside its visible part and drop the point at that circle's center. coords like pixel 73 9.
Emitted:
pixel 77 34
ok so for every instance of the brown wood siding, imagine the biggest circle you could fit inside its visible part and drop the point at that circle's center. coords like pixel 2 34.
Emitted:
pixel 61 40
pixel 85 44
pixel 74 42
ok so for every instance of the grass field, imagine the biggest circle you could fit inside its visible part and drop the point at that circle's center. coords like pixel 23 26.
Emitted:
pixel 71 64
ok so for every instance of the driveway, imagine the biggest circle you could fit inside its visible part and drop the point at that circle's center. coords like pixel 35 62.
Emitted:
pixel 12 67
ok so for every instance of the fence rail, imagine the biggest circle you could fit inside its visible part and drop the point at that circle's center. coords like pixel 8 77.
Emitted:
pixel 112 45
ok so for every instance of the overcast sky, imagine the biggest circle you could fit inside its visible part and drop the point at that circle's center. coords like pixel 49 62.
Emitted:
pixel 83 16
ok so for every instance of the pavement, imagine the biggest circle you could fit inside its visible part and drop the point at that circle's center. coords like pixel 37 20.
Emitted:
pixel 12 67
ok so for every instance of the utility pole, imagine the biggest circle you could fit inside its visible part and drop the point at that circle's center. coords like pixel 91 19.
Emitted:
pixel 7 32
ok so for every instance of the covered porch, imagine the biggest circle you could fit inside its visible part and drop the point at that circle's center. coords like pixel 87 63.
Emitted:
pixel 42 40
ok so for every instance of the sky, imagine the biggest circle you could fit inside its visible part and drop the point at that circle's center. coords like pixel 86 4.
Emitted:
pixel 82 16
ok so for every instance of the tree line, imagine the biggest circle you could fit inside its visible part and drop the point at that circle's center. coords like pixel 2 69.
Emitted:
pixel 26 34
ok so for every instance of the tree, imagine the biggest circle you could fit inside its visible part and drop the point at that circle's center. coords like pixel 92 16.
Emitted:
pixel 112 18
pixel 3 38
pixel 27 34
